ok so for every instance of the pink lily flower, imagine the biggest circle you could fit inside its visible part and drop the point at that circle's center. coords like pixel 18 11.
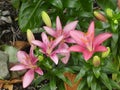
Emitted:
pixel 27 62
pixel 62 32
pixel 48 47
pixel 87 43
pixel 65 32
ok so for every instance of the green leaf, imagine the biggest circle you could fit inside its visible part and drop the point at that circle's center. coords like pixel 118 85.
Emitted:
pixel 61 76
pixel 115 37
pixel 71 3
pixel 105 80
pixel 67 69
pixel 61 85
pixel 114 84
pixel 87 5
pixel 45 87
pixel 52 83
pixel 96 71
pixel 56 3
pixel 16 3
pixel 107 4
pixel 81 85
pixel 94 85
pixel 89 80
pixel 30 14
pixel 98 86
pixel 80 74
pixel 109 67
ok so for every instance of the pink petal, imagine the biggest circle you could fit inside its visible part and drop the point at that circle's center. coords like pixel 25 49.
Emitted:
pixel 79 37
pixel 87 55
pixel 63 48
pixel 54 58
pixel 18 67
pixel 39 71
pixel 45 39
pixel 76 48
pixel 65 58
pixel 22 57
pixel 100 49
pixel 56 42
pixel 70 26
pixel 58 23
pixel 28 78
pixel 90 33
pixel 50 31
pixel 101 38
pixel 70 40
pixel 33 58
pixel 38 43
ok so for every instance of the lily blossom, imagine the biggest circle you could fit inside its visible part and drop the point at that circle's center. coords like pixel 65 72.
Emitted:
pixel 62 32
pixel 87 43
pixel 48 47
pixel 27 62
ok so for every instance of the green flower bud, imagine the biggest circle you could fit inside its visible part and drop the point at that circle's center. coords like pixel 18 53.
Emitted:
pixel 106 53
pixel 115 21
pixel 46 19
pixel 109 12
pixel 100 16
pixel 40 57
pixel 30 36
pixel 96 61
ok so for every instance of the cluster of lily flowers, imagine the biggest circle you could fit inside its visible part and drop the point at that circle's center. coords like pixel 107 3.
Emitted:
pixel 85 43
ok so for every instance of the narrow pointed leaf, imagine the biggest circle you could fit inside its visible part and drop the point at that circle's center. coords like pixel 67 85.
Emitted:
pixel 105 80
pixel 94 85
pixel 114 84
pixel 81 85
pixel 80 75
pixel 52 83
pixel 56 3
pixel 89 80
pixel 96 71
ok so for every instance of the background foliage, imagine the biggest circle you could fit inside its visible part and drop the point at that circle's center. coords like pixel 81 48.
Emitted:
pixel 83 11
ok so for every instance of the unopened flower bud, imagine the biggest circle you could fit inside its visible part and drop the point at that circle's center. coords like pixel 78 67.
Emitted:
pixel 40 57
pixel 109 12
pixel 106 53
pixel 115 21
pixel 100 16
pixel 96 61
pixel 30 36
pixel 46 19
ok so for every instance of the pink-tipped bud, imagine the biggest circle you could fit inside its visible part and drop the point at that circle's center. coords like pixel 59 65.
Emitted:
pixel 46 19
pixel 100 16
pixel 96 61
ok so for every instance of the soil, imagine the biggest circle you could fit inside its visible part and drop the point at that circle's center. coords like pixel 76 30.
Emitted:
pixel 10 33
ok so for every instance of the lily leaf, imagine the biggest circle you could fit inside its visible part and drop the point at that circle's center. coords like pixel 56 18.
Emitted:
pixel 89 80
pixel 30 14
pixel 80 74
pixel 52 83
pixel 107 4
pixel 56 3
pixel 105 80
pixel 96 71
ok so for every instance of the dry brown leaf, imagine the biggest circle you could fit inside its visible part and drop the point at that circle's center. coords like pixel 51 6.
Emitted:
pixel 10 81
pixel 8 86
pixel 20 44
pixel 71 77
